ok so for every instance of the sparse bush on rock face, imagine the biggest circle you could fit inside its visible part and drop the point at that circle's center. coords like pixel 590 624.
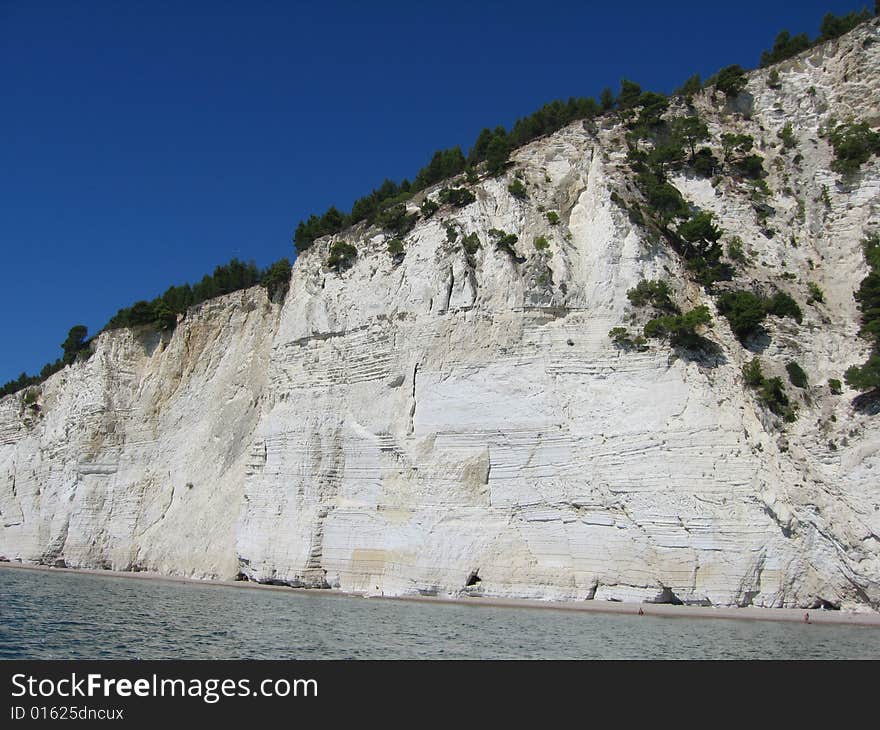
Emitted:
pixel 731 80
pixel 428 208
pixel 786 135
pixel 853 144
pixel 457 197
pixel 471 243
pixel 744 311
pixel 395 247
pixel 771 391
pixel 681 329
pixel 342 255
pixel 657 293
pixel 517 189
pixel 867 375
pixel 796 374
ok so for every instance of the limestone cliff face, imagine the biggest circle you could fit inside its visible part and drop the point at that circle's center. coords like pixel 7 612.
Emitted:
pixel 453 424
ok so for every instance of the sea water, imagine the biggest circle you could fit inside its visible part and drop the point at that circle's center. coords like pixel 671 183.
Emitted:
pixel 45 615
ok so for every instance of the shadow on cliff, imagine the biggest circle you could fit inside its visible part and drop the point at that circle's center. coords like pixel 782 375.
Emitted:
pixel 868 403
pixel 703 352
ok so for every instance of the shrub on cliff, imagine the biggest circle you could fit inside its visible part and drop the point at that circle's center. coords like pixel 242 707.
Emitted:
pixel 796 374
pixel 396 220
pixel 457 197
pixel 731 80
pixel 276 280
pixel 744 312
pixel 785 46
pixel 834 26
pixel 782 305
pixel 786 136
pixel 681 329
pixel 771 391
pixel 517 189
pixel 654 292
pixel 341 256
pixel 74 344
pixel 690 130
pixel 853 144
pixel 471 243
pixel 428 208
pixel 444 164
pixel 867 375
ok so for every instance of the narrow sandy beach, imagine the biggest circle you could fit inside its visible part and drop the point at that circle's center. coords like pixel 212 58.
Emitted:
pixel 750 613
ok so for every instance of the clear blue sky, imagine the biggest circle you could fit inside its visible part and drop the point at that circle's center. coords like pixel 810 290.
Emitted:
pixel 143 143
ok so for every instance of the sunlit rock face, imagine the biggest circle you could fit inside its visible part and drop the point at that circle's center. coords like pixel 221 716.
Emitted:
pixel 455 423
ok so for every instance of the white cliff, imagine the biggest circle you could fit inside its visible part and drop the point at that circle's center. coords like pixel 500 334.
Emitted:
pixel 446 425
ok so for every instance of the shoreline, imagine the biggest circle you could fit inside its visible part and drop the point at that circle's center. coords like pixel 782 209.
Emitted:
pixel 655 610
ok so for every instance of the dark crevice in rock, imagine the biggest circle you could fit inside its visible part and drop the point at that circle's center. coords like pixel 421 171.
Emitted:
pixel 667 596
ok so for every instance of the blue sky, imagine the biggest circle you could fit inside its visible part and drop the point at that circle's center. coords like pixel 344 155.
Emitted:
pixel 143 143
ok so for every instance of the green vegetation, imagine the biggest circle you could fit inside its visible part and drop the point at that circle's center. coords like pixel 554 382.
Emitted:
pixel 681 329
pixel 853 144
pixel 276 280
pixel 786 45
pixel 704 163
pixel 629 94
pixel 451 234
pixel 834 26
pixel 771 391
pixel 796 375
pixel 690 130
pixel 816 293
pixel 505 242
pixel 541 243
pixel 867 375
pixel 835 386
pixel 621 337
pixel 731 80
pixel 74 347
pixel 735 250
pixel 457 197
pixel 161 313
pixel 745 310
pixel 395 248
pixel 74 344
pixel 786 135
pixel 428 208
pixel 517 189
pixel 782 305
pixel 657 293
pixel 342 256
pixel 396 220
pixel 693 85
pixel 444 164
pixel 471 243
pixel 553 218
